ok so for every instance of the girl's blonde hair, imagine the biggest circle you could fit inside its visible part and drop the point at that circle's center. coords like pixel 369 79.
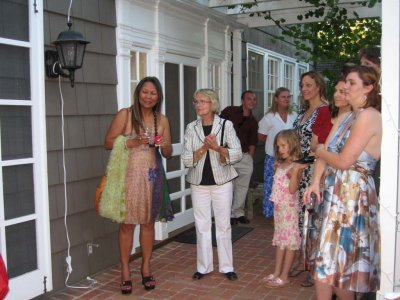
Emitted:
pixel 292 138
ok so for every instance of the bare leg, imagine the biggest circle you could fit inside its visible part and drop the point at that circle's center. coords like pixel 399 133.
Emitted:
pixel 287 264
pixel 323 290
pixel 146 244
pixel 279 255
pixel 343 294
pixel 125 239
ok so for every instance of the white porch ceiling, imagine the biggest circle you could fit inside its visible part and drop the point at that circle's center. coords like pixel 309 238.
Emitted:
pixel 286 9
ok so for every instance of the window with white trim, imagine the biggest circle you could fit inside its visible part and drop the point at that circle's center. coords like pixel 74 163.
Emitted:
pixel 279 70
pixel 214 78
pixel 288 76
pixel 273 78
pixel 138 68
pixel 256 79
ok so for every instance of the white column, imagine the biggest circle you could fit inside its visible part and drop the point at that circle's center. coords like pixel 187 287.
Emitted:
pixel 237 66
pixel 389 188
pixel 225 80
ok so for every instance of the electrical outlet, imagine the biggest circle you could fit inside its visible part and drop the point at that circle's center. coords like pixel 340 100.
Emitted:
pixel 89 249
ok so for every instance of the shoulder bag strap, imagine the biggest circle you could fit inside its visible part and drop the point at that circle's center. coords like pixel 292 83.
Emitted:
pixel 222 133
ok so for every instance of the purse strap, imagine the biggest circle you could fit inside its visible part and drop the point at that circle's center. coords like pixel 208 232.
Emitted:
pixel 222 133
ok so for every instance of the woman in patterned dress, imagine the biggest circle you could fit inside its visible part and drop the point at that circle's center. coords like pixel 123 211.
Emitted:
pixel 348 254
pixel 315 119
pixel 144 176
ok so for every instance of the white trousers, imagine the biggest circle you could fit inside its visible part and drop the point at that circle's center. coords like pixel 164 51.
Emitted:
pixel 219 197
pixel 241 184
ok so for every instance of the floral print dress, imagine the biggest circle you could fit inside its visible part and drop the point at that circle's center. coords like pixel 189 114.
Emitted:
pixel 348 253
pixel 308 224
pixel 286 207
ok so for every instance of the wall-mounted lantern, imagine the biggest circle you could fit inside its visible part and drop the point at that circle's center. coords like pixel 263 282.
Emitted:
pixel 70 47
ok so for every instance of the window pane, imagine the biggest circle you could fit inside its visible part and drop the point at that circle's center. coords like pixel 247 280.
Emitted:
pixel 21 248
pixel 173 164
pixel 172 109
pixel 176 205
pixel 256 81
pixel 142 65
pixel 14 19
pixel 134 75
pixel 174 185
pixel 190 85
pixel 14 73
pixel 18 191
pixel 189 204
pixel 16 138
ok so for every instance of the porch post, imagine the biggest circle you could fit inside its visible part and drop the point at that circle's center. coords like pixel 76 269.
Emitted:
pixel 237 66
pixel 389 191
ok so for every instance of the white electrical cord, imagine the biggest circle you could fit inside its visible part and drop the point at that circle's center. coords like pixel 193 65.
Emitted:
pixel 68 259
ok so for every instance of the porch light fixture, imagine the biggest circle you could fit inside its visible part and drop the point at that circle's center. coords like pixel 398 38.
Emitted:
pixel 70 47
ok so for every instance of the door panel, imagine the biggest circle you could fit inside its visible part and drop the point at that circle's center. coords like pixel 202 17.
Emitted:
pixel 180 84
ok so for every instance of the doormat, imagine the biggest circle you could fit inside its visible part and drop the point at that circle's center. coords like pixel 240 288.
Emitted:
pixel 189 236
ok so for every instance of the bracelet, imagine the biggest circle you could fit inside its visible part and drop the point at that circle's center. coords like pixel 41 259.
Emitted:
pixel 201 151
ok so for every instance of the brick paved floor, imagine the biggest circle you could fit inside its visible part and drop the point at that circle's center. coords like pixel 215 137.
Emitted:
pixel 174 264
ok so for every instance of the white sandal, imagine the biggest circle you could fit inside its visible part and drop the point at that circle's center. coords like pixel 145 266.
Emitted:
pixel 269 278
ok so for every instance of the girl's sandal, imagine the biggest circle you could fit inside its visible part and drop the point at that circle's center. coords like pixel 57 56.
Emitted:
pixel 277 283
pixel 269 278
pixel 126 287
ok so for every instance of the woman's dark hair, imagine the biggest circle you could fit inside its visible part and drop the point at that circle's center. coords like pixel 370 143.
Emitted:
pixel 369 76
pixel 137 116
pixel 372 54
pixel 274 105
pixel 319 81
pixel 335 110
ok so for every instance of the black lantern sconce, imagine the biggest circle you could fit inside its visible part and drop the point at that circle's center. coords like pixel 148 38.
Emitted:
pixel 70 47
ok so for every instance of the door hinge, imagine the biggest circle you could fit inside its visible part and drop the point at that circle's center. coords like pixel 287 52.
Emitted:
pixel 35 6
pixel 44 284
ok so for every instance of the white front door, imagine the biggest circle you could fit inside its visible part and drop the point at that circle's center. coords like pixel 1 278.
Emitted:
pixel 181 80
pixel 24 217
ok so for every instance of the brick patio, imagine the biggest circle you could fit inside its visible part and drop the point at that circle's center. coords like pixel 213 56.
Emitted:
pixel 174 263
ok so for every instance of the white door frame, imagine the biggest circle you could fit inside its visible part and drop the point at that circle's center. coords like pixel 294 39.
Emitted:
pixel 186 216
pixel 33 282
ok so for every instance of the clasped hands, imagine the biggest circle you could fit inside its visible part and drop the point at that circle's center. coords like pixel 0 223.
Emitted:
pixel 210 142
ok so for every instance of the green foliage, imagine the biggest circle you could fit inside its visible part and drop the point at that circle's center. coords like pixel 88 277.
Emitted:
pixel 336 39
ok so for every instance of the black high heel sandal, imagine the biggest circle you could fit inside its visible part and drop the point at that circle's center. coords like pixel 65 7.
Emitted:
pixel 126 287
pixel 147 282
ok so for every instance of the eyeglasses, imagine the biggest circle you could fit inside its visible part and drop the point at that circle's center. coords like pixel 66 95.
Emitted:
pixel 200 102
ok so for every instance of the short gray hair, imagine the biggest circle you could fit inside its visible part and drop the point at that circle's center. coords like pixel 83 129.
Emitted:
pixel 212 96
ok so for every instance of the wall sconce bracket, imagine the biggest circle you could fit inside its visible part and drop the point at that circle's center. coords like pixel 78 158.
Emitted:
pixel 53 66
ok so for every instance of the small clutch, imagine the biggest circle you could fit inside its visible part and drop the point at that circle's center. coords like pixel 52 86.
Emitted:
pixel 306 160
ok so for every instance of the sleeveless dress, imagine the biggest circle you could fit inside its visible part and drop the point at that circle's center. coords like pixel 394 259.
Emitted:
pixel 308 224
pixel 348 254
pixel 286 209
pixel 304 129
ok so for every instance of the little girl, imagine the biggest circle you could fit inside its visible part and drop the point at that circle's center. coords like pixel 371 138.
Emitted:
pixel 286 181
